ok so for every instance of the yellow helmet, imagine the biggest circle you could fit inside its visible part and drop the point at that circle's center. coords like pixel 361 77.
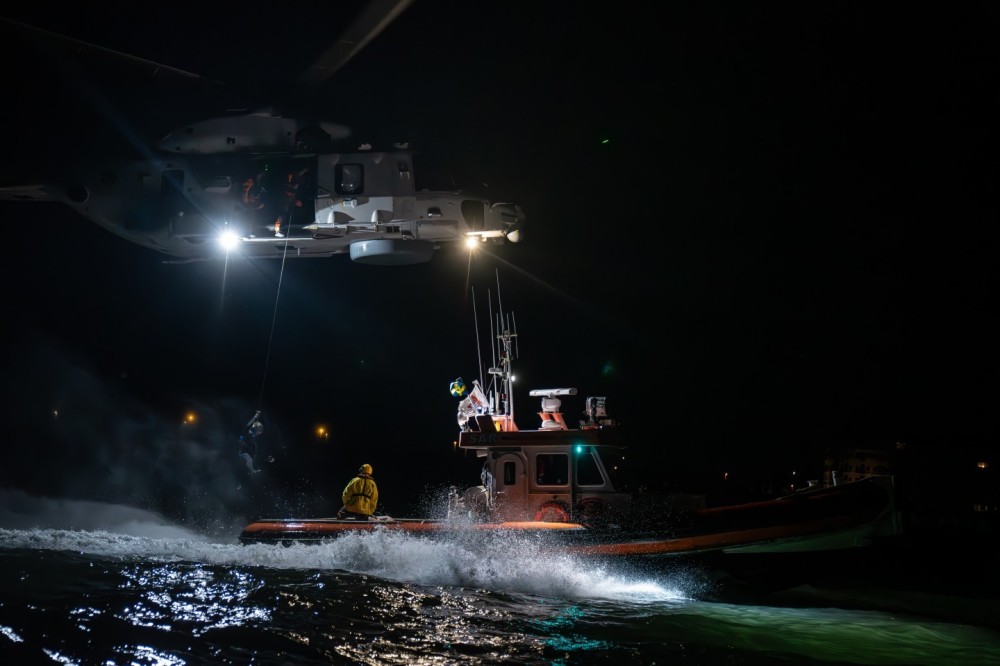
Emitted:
pixel 365 469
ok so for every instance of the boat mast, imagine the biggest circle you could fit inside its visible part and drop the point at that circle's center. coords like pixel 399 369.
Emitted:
pixel 502 378
pixel 503 396
pixel 479 346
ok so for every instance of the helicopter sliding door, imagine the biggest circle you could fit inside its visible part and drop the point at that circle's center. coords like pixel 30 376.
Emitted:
pixel 278 195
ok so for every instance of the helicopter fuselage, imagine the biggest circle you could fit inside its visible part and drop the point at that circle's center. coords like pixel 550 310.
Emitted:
pixel 279 205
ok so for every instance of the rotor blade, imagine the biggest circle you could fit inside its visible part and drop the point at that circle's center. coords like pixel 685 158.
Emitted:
pixel 82 46
pixel 370 22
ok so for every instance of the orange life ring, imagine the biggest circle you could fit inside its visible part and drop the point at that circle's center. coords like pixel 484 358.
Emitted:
pixel 552 512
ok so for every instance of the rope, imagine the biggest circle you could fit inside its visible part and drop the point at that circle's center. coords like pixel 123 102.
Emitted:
pixel 274 316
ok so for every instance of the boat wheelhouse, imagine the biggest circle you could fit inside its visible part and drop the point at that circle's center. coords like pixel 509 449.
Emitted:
pixel 554 473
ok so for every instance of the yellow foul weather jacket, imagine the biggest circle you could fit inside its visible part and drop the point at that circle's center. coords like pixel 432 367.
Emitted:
pixel 361 495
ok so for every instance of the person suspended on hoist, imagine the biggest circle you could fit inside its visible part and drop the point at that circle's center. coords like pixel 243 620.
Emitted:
pixel 248 441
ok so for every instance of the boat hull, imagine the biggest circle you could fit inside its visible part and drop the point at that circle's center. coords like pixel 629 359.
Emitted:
pixel 828 519
pixel 288 531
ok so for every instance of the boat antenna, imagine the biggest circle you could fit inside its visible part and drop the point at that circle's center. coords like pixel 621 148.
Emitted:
pixel 502 372
pixel 493 339
pixel 499 304
pixel 479 347
pixel 509 325
pixel 504 350
pixel 514 328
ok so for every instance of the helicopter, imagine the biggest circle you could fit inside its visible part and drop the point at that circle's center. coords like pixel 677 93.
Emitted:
pixel 265 184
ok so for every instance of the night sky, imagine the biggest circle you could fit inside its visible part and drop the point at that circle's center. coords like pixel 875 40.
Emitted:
pixel 761 231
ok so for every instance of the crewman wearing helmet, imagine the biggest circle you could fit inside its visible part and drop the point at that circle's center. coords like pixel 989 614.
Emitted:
pixel 360 497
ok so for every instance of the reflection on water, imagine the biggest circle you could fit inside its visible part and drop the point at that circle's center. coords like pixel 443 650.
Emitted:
pixel 386 598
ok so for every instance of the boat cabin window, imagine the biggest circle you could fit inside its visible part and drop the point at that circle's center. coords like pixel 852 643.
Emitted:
pixel 615 464
pixel 349 178
pixel 509 473
pixel 588 472
pixel 551 469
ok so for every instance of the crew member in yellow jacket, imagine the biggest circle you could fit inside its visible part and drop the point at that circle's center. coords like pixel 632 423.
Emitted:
pixel 360 497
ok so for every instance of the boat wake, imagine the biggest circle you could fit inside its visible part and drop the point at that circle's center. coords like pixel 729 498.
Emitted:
pixel 507 566
pixel 500 562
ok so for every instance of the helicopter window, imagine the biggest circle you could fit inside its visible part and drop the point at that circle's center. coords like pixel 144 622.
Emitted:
pixel 350 178
pixel 587 471
pixel 473 212
pixel 172 184
pixel 551 469
pixel 219 185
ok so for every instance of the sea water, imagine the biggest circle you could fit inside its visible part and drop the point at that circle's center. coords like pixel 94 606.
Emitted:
pixel 144 591
pixel 85 597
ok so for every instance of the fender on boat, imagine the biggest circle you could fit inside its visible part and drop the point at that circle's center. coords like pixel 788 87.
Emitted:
pixel 552 512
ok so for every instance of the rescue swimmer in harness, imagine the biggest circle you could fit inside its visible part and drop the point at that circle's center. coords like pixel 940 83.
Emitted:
pixel 248 442
pixel 360 497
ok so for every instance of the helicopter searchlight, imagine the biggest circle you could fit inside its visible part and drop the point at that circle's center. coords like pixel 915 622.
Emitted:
pixel 229 240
